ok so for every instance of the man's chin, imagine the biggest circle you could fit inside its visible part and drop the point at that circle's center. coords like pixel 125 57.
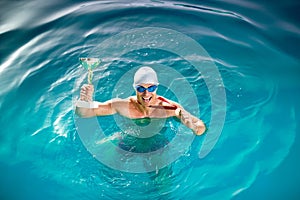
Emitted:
pixel 146 104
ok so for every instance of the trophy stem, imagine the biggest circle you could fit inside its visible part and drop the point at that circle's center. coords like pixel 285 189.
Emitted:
pixel 90 76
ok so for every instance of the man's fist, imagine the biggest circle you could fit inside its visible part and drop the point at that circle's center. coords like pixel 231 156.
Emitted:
pixel 86 92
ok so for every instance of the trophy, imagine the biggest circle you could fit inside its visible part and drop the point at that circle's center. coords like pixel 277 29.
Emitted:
pixel 89 64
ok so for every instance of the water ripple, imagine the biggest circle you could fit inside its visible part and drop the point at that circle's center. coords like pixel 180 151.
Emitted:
pixel 41 77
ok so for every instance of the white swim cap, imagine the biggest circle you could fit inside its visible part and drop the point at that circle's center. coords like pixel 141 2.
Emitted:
pixel 145 75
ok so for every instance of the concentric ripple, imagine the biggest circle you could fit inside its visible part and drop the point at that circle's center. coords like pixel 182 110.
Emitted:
pixel 40 78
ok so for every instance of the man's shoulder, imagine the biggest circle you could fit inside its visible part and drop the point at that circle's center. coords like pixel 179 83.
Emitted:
pixel 121 104
pixel 166 101
pixel 121 100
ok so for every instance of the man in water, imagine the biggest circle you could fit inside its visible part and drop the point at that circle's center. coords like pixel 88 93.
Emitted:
pixel 146 103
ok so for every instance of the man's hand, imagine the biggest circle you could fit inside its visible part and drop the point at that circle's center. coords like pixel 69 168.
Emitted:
pixel 86 92
pixel 199 127
pixel 190 121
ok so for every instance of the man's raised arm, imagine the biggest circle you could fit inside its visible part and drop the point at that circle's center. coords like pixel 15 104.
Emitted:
pixel 86 95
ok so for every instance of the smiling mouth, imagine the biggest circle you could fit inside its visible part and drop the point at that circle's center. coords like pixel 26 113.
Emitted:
pixel 147 100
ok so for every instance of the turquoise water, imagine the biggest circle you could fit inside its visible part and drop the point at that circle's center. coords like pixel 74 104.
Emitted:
pixel 254 47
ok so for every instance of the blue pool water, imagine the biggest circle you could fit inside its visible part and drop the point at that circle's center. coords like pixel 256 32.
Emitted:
pixel 249 51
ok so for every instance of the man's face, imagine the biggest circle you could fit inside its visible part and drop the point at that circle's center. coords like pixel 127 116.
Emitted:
pixel 146 94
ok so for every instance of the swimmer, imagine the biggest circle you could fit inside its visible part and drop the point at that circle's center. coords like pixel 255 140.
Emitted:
pixel 146 103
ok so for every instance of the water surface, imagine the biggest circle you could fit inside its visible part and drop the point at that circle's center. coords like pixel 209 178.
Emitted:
pixel 254 46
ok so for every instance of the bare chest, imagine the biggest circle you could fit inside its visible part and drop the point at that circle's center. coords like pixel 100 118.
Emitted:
pixel 134 112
